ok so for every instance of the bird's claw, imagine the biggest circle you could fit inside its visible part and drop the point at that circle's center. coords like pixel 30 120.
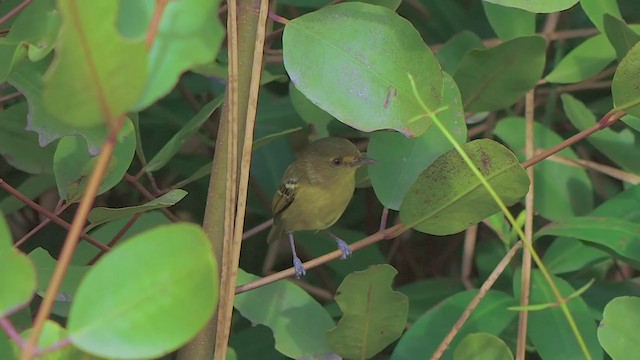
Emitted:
pixel 299 268
pixel 346 250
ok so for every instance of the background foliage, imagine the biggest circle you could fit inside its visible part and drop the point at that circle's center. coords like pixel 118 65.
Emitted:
pixel 147 79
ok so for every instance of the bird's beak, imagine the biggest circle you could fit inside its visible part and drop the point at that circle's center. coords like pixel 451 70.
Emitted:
pixel 363 160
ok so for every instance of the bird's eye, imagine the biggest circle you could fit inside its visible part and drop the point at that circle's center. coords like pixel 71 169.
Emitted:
pixel 336 161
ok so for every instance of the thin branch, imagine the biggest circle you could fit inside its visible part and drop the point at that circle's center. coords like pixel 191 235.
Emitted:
pixel 6 98
pixel 470 237
pixel 35 206
pixel 603 123
pixel 257 229
pixel 389 233
pixel 149 196
pixel 155 21
pixel 525 277
pixel 15 11
pixel 27 236
pixel 11 331
pixel 72 238
pixel 117 238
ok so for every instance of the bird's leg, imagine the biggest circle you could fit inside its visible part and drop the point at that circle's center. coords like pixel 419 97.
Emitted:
pixel 297 264
pixel 343 246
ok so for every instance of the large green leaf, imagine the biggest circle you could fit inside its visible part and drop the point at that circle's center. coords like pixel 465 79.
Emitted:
pixel 189 33
pixel 584 61
pixel 72 163
pixel 87 85
pixel 28 78
pixel 452 52
pixel 148 296
pixel 373 314
pixel 407 158
pixel 549 329
pixel 45 266
pixel 618 236
pixel 509 22
pixel 448 197
pixel 617 332
pixel 20 148
pixel 620 35
pixel 347 60
pixel 309 112
pixel 619 146
pixel 299 323
pixel 17 276
pixel 595 10
pixel 482 346
pixel 424 336
pixel 625 91
pixel 561 191
pixel 509 70
pixel 537 6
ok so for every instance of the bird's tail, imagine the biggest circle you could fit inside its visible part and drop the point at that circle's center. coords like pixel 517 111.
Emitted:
pixel 276 233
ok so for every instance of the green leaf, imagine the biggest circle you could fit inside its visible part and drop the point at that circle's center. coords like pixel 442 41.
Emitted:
pixel 17 276
pixel 561 191
pixel 509 22
pixel 52 333
pixel 549 330
pixel 36 29
pixel 448 197
pixel 567 255
pixel 620 35
pixel 538 6
pixel 617 236
pixel 72 164
pixel 482 346
pixel 424 336
pixel 625 91
pixel 374 315
pixel 617 332
pixel 425 294
pixel 596 9
pixel 189 34
pixel 28 78
pixel 87 85
pixel 390 4
pixel 334 57
pixel 171 148
pixel 85 252
pixel 102 215
pixel 20 148
pixel 407 158
pixel 147 296
pixel 509 70
pixel 452 52
pixel 45 265
pixel 619 146
pixel 309 112
pixel 584 61
pixel 31 187
pixel 299 323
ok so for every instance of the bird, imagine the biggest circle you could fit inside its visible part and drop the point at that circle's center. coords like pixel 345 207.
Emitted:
pixel 315 191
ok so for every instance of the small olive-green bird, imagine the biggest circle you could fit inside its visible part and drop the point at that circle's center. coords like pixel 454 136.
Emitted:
pixel 315 190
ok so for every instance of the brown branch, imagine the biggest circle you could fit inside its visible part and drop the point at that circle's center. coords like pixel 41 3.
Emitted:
pixel 15 11
pixel 389 233
pixel 9 97
pixel 27 236
pixel 155 21
pixel 71 241
pixel 35 206
pixel 133 181
pixel 603 123
pixel 117 238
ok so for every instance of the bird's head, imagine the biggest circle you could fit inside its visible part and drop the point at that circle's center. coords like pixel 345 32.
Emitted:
pixel 335 155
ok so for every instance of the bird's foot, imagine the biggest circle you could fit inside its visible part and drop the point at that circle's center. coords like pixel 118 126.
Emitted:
pixel 346 250
pixel 297 265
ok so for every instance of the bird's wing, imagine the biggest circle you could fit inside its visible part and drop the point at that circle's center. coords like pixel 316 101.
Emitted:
pixel 285 196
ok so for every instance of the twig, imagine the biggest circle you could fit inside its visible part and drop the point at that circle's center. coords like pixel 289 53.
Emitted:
pixel 133 181
pixel 257 229
pixel 15 11
pixel 9 97
pixel 155 21
pixel 525 276
pixel 603 123
pixel 27 236
pixel 117 238
pixel 468 249
pixel 476 300
pixel 11 331
pixel 32 204
pixel 389 233
pixel 72 238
